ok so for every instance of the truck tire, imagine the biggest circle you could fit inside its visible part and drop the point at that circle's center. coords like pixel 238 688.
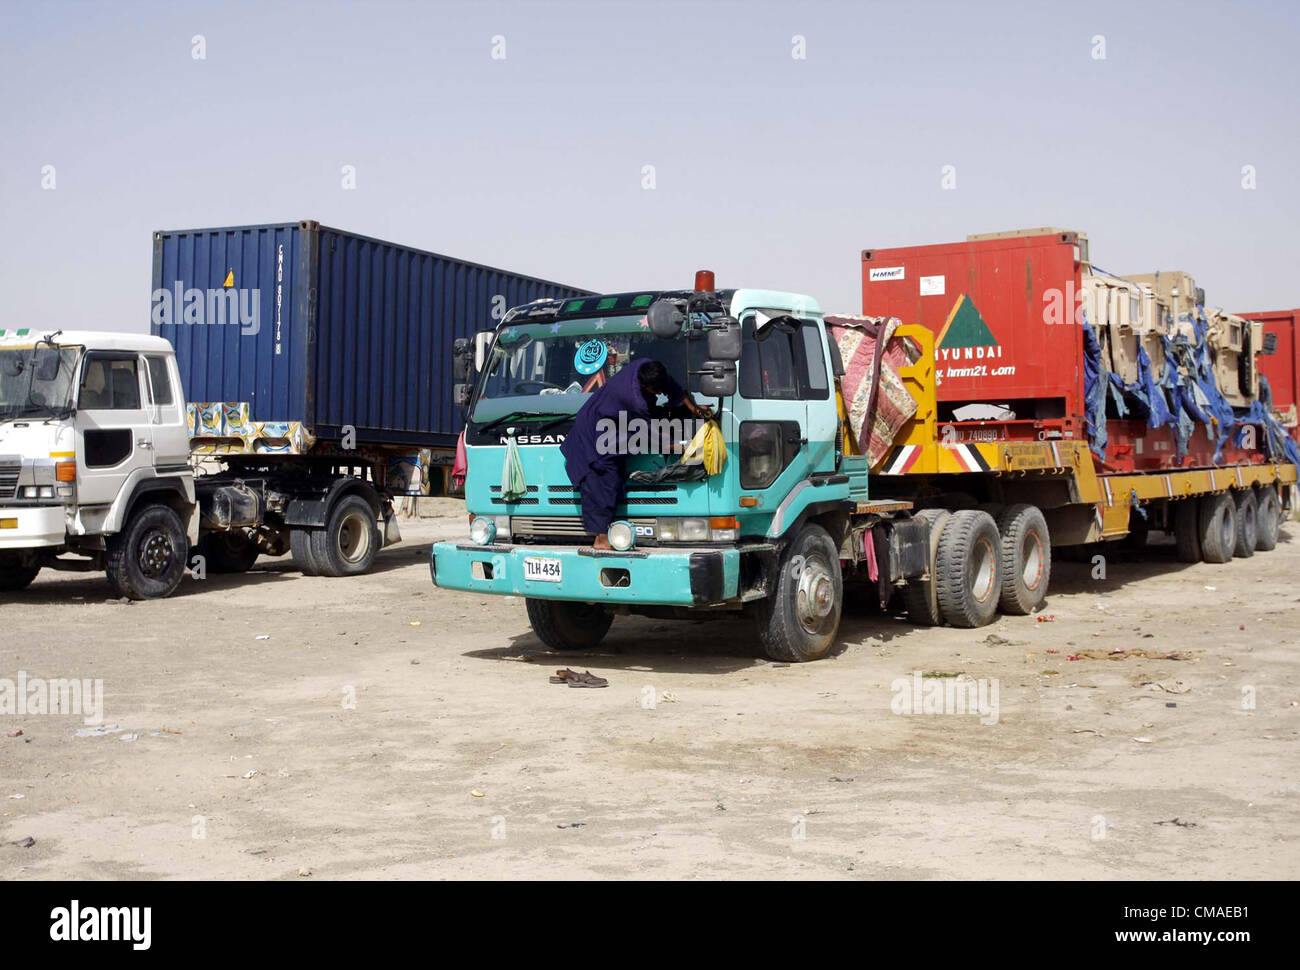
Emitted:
pixel 798 621
pixel 1025 559
pixel 300 547
pixel 1218 527
pixel 146 560
pixel 14 575
pixel 349 542
pixel 1247 523
pixel 227 552
pixel 922 595
pixel 969 574
pixel 1268 518
pixel 1187 530
pixel 562 625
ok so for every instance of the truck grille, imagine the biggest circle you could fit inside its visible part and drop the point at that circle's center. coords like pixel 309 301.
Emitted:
pixel 9 479
pixel 568 495
pixel 556 526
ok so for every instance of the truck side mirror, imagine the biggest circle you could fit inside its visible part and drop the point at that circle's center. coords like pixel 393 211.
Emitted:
pixel 665 319
pixel 482 342
pixel 725 341
pixel 718 378
pixel 47 364
pixel 460 395
pixel 461 356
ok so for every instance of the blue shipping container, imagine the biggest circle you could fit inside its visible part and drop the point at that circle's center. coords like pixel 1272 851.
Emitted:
pixel 311 324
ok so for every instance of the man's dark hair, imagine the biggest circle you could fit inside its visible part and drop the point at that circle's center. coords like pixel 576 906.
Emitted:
pixel 653 376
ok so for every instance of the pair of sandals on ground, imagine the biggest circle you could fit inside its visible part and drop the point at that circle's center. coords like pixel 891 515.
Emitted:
pixel 575 679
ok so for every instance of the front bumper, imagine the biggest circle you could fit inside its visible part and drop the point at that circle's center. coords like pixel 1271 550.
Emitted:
pixel 681 576
pixel 35 526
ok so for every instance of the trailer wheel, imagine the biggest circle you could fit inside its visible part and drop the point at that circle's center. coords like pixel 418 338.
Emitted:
pixel 300 547
pixel 922 595
pixel 563 625
pixel 146 560
pixel 969 574
pixel 348 544
pixel 228 552
pixel 1268 517
pixel 14 574
pixel 798 621
pixel 1187 530
pixel 1218 522
pixel 1025 559
pixel 1247 523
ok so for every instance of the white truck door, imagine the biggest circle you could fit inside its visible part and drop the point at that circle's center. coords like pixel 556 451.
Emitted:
pixel 171 437
pixel 113 432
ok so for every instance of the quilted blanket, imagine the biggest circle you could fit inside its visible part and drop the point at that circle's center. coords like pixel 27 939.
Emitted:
pixel 875 397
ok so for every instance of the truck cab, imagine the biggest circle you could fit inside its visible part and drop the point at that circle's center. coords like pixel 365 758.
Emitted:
pixel 762 537
pixel 94 452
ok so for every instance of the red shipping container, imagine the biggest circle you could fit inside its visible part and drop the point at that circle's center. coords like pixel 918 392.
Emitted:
pixel 1004 314
pixel 1007 312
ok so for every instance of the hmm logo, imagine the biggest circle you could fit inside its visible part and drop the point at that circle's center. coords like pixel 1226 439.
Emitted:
pixel 227 305
pixel 887 273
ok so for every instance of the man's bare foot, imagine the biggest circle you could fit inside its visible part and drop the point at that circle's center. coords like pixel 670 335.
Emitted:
pixel 602 542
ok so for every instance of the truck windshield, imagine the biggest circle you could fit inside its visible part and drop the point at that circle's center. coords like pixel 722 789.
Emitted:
pixel 36 382
pixel 550 369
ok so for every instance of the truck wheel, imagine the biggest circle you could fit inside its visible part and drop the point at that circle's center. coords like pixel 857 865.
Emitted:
pixel 922 595
pixel 568 626
pixel 798 620
pixel 228 552
pixel 300 547
pixel 146 560
pixel 1268 517
pixel 1187 530
pixel 1247 523
pixel 1218 521
pixel 968 572
pixel 1025 559
pixel 14 575
pixel 348 544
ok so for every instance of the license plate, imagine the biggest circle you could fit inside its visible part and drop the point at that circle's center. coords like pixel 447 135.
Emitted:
pixel 542 570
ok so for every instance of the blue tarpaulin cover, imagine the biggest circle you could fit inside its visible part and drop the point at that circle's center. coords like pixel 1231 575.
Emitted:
pixel 1184 395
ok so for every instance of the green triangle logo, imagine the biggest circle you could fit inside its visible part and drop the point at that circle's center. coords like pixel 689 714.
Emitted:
pixel 965 327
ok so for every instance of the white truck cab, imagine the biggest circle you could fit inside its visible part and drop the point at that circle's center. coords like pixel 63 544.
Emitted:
pixel 94 460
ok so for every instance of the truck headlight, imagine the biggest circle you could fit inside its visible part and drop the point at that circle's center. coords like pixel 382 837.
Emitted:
pixel 36 491
pixel 482 530
pixel 622 536
pixel 692 530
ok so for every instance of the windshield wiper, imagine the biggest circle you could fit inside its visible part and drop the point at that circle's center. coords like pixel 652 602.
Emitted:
pixel 555 416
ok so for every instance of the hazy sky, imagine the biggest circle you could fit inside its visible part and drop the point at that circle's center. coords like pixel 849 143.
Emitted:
pixel 773 170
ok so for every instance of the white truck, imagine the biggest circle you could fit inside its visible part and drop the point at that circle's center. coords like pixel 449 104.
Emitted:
pixel 96 473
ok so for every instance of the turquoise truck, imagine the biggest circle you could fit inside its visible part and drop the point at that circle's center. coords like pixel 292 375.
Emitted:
pixel 773 538
pixel 953 524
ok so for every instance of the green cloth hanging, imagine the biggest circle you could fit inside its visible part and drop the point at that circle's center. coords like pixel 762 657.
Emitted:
pixel 513 486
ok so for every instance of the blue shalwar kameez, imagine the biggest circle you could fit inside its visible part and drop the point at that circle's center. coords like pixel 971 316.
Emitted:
pixel 600 477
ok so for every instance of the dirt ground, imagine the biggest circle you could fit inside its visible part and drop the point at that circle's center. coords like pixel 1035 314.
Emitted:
pixel 239 757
